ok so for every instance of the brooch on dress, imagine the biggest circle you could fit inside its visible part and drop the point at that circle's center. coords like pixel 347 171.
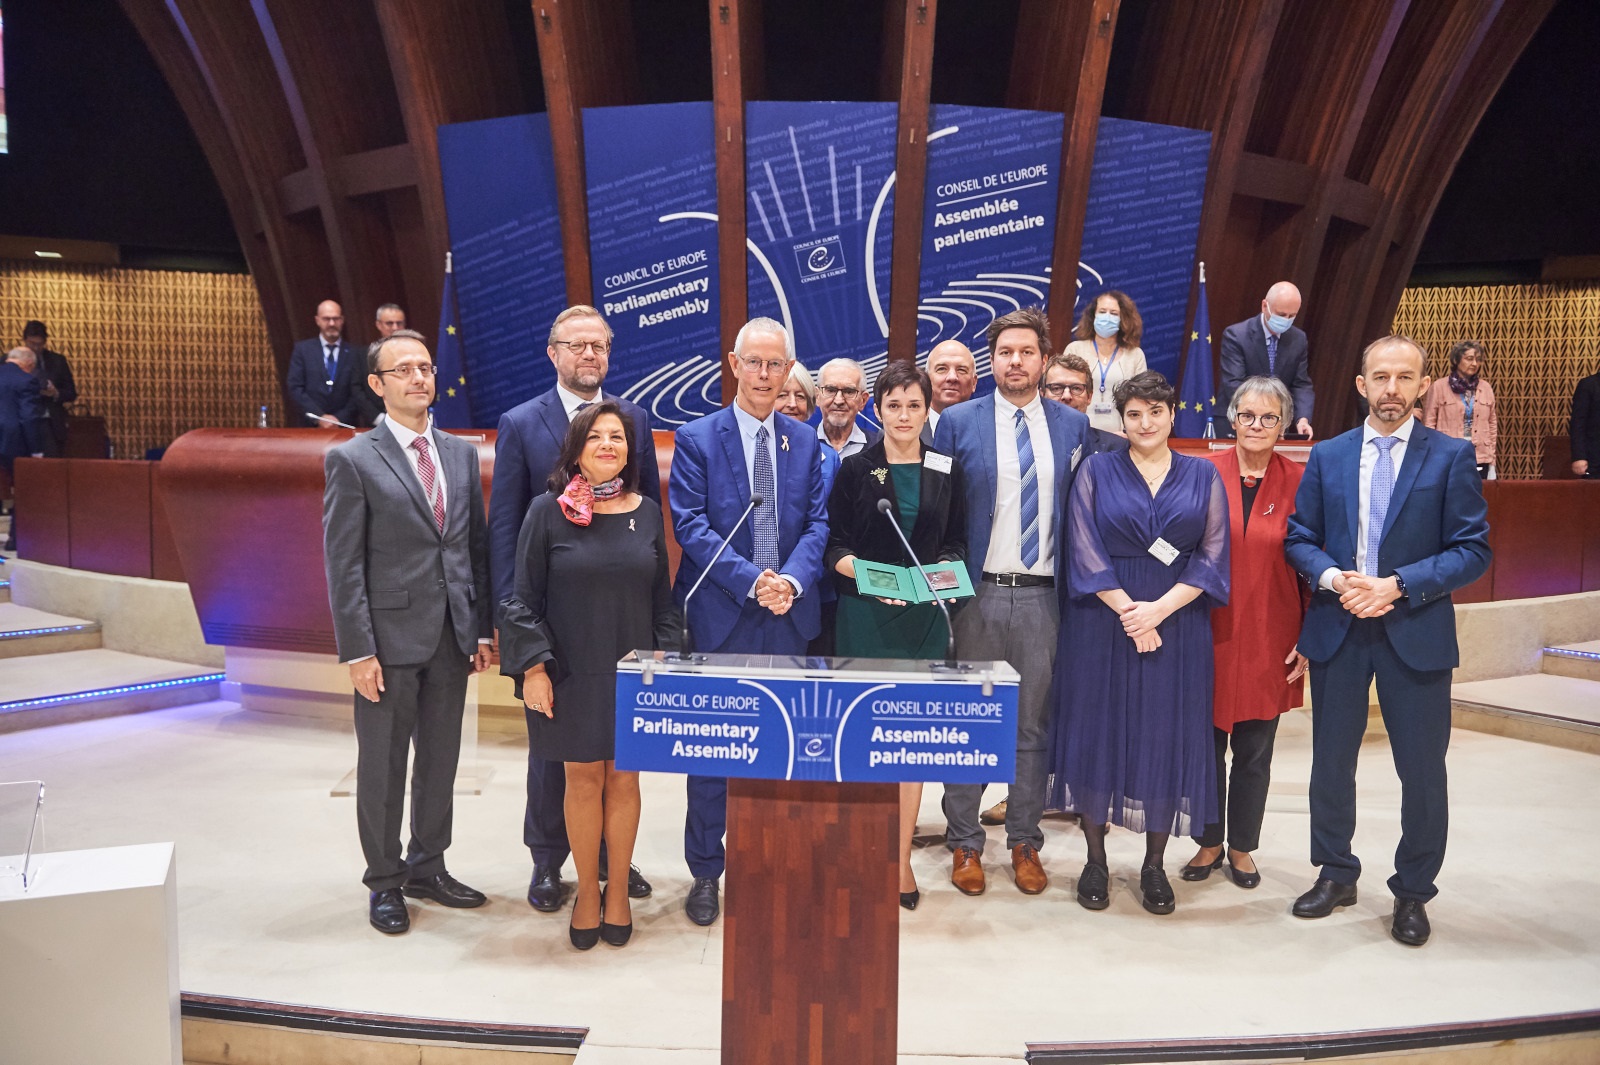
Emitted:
pixel 630 526
pixel 881 475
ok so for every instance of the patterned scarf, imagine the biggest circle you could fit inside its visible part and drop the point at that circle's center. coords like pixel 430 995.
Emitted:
pixel 577 501
pixel 1462 385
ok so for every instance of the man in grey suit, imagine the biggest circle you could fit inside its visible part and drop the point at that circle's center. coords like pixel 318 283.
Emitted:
pixel 405 543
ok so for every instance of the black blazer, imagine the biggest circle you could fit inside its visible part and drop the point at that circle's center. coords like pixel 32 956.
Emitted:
pixel 856 528
pixel 1244 354
pixel 308 382
pixel 1586 423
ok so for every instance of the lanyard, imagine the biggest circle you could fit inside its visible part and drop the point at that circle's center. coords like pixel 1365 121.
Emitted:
pixel 1468 401
pixel 1105 367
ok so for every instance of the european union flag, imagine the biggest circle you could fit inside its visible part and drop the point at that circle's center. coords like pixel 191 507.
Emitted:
pixel 451 409
pixel 1197 398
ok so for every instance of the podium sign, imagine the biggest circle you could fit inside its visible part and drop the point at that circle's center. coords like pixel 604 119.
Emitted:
pixel 821 719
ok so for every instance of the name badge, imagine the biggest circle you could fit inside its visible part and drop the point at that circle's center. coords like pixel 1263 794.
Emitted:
pixel 937 463
pixel 1164 551
pixel 1077 453
pixel 1104 408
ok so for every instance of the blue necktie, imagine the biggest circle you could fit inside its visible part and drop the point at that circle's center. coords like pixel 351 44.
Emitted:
pixel 1030 492
pixel 1378 506
pixel 1272 354
pixel 328 363
pixel 765 519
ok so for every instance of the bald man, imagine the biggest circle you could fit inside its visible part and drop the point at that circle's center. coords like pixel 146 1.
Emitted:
pixel 323 373
pixel 954 374
pixel 1268 345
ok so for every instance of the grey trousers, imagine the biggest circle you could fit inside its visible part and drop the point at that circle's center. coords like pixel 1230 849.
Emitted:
pixel 422 704
pixel 1016 625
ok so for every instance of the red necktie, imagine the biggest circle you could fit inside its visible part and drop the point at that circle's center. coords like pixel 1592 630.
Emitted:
pixel 425 471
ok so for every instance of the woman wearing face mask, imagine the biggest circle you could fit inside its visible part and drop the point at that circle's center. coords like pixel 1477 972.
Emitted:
pixel 1462 404
pixel 1147 555
pixel 1107 338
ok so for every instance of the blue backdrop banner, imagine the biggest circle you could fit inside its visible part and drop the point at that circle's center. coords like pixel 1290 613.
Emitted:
pixel 652 182
pixel 505 235
pixel 883 728
pixel 820 224
pixel 989 222
pixel 1145 194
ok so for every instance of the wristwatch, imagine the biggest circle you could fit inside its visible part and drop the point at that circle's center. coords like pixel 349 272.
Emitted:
pixel 1400 584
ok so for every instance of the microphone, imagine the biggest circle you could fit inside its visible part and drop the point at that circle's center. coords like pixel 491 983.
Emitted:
pixel 685 654
pixel 318 419
pixel 886 509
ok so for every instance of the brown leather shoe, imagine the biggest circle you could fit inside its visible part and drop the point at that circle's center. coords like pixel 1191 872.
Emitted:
pixel 994 815
pixel 967 872
pixel 1031 878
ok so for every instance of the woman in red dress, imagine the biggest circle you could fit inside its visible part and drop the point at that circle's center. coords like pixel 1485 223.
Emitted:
pixel 1259 670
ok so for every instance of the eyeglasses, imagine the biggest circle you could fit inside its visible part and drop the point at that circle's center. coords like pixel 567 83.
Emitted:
pixel 838 390
pixel 576 347
pixel 426 369
pixel 772 366
pixel 1266 421
pixel 1056 391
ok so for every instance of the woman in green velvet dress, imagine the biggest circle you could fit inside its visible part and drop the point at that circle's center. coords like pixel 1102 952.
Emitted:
pixel 927 500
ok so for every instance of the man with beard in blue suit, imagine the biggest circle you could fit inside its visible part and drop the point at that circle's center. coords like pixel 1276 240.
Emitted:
pixel 763 595
pixel 527 448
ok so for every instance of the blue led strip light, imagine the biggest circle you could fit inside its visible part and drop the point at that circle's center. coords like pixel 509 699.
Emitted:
pixel 17 634
pixel 106 693
pixel 1568 652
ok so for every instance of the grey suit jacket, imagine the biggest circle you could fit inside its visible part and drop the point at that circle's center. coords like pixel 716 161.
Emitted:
pixel 391 575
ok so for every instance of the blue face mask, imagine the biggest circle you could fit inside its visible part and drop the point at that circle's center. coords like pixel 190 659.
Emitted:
pixel 1107 325
pixel 1278 324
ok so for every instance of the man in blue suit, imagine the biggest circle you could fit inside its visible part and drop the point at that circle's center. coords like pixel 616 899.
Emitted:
pixel 527 448
pixel 1020 454
pixel 21 423
pixel 1389 520
pixel 1268 345
pixel 324 373
pixel 763 594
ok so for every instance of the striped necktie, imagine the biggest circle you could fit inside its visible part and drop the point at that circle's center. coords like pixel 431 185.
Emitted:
pixel 1030 492
pixel 1378 503
pixel 1272 354
pixel 429 478
pixel 764 522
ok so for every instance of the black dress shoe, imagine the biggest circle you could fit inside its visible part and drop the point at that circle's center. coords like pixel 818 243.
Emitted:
pixel 1094 887
pixel 546 892
pixel 1199 872
pixel 909 899
pixel 702 905
pixel 1324 897
pixel 584 938
pixel 387 912
pixel 1242 878
pixel 1410 925
pixel 446 890
pixel 638 886
pixel 1155 890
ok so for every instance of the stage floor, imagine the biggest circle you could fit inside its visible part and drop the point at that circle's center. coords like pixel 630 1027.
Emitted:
pixel 272 907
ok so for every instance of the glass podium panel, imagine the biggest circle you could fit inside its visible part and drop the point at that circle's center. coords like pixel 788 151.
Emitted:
pixel 21 832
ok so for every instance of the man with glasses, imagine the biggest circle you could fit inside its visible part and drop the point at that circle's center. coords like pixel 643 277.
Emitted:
pixel 526 450
pixel 1020 455
pixel 762 597
pixel 1066 378
pixel 841 395
pixel 406 551
pixel 323 374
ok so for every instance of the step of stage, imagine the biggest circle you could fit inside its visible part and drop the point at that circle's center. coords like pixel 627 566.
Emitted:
pixel 1562 711
pixel 53 689
pixel 1581 660
pixel 5 587
pixel 26 631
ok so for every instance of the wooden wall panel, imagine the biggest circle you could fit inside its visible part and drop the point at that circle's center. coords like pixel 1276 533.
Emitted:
pixel 42 524
pixel 108 511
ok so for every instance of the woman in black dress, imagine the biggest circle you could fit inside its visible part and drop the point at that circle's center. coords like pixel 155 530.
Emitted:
pixel 591 586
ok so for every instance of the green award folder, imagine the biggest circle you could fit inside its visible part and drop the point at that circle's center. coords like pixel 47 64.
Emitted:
pixel 950 581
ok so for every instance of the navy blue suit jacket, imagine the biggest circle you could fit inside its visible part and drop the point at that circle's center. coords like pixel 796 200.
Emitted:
pixel 308 381
pixel 1435 536
pixel 20 411
pixel 1244 354
pixel 709 489
pixel 966 431
pixel 526 450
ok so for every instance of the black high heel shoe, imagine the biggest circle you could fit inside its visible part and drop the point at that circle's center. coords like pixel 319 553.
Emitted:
pixel 909 899
pixel 616 935
pixel 1199 872
pixel 586 938
pixel 1243 879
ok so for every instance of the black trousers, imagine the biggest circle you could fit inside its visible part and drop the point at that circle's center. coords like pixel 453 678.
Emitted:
pixel 1241 799
pixel 422 705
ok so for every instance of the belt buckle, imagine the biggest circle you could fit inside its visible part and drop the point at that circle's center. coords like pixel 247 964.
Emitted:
pixel 1006 580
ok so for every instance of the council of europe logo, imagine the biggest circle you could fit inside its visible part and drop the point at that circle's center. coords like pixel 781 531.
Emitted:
pixel 819 258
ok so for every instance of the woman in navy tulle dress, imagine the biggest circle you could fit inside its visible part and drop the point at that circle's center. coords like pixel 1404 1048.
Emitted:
pixel 1147 559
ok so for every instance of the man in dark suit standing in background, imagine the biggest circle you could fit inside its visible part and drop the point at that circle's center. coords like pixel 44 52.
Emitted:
pixel 1389 520
pixel 389 319
pixel 20 424
pixel 407 556
pixel 56 389
pixel 1586 428
pixel 1268 345
pixel 763 596
pixel 324 373
pixel 526 450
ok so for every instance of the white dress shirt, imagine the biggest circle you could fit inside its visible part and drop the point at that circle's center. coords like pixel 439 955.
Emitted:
pixel 933 420
pixel 1369 461
pixel 1005 538
pixel 749 425
pixel 856 441
pixel 571 401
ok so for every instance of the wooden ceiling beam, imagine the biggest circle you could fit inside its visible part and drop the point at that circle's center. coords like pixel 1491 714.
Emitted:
pixel 911 173
pixel 737 75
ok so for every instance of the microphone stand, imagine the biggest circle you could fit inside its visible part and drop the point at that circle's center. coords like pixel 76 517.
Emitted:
pixel 949 664
pixel 686 652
